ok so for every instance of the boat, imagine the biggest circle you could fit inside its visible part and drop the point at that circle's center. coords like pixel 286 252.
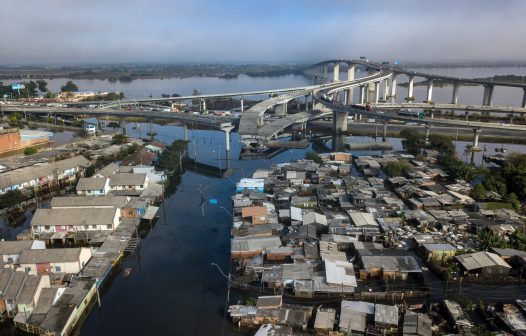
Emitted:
pixel 126 271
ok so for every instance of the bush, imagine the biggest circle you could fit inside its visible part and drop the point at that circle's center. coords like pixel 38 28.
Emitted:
pixel 30 151
pixel 396 168
pixel 311 155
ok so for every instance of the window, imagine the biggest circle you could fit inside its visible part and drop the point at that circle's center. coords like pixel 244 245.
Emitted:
pixel 28 269
pixel 94 227
pixel 101 191
pixel 10 260
pixel 46 227
pixel 141 186
pixel 86 227
pixel 109 227
pixel 58 269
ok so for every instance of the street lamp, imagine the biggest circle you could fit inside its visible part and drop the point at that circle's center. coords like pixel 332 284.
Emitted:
pixel 228 212
pixel 221 271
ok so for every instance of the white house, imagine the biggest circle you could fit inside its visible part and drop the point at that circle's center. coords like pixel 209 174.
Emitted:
pixel 93 186
pixel 153 175
pixel 128 181
pixel 59 260
pixel 10 250
pixel 75 219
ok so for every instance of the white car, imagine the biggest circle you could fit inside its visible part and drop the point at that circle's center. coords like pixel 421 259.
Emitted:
pixel 371 120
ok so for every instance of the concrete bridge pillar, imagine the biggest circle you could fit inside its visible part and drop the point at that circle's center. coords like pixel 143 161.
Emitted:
pixel 122 124
pixel 386 89
pixel 476 132
pixel 339 122
pixel 324 72
pixel 487 99
pixel 454 99
pixel 185 132
pixel 306 103
pixel 241 102
pixel 349 94
pixel 227 131
pixel 384 134
pixel 523 105
pixel 362 94
pixel 203 105
pixel 376 92
pixel 410 84
pixel 428 130
pixel 260 121
pixel 393 86
pixel 281 109
pixel 350 72
pixel 429 90
pixel 466 114
pixel 336 72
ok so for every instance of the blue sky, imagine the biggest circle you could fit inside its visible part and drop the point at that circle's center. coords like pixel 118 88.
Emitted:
pixel 82 31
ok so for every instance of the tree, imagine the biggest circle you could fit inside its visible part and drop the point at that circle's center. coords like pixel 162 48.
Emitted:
pixel 478 192
pixel 396 168
pixel 118 139
pixel 42 85
pixel 50 95
pixel 514 200
pixel 31 88
pixel 312 155
pixel 69 87
pixel 90 171
pixel 442 144
pixel 10 198
pixel 411 141
pixel 496 183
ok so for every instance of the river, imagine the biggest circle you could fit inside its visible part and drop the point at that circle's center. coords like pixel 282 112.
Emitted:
pixel 172 288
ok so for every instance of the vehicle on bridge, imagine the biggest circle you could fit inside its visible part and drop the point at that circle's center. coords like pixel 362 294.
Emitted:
pixel 409 113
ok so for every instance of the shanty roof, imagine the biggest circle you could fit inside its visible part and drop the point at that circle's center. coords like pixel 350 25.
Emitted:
pixel 362 219
pixel 254 211
pixel 439 247
pixel 340 273
pixel 481 259
pixel 248 244
pixel 386 314
pixel 325 319
pixel 404 264
pixel 124 179
pixel 50 255
pixel 91 183
pixel 74 216
pixel 417 324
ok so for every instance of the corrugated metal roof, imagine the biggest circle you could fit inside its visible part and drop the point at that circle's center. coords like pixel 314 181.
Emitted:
pixel 386 314
pixel 481 259
pixel 340 273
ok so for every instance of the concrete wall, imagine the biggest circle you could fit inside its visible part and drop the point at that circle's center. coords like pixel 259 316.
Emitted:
pixel 9 140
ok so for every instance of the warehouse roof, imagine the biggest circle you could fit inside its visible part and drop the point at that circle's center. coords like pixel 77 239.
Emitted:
pixel 73 216
pixel 89 201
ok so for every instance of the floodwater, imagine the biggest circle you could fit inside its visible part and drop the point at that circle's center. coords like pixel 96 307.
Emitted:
pixel 173 289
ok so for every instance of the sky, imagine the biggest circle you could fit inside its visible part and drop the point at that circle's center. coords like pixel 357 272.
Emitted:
pixel 177 31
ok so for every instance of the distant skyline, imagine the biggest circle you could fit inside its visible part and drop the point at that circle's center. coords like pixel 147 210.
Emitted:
pixel 257 31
